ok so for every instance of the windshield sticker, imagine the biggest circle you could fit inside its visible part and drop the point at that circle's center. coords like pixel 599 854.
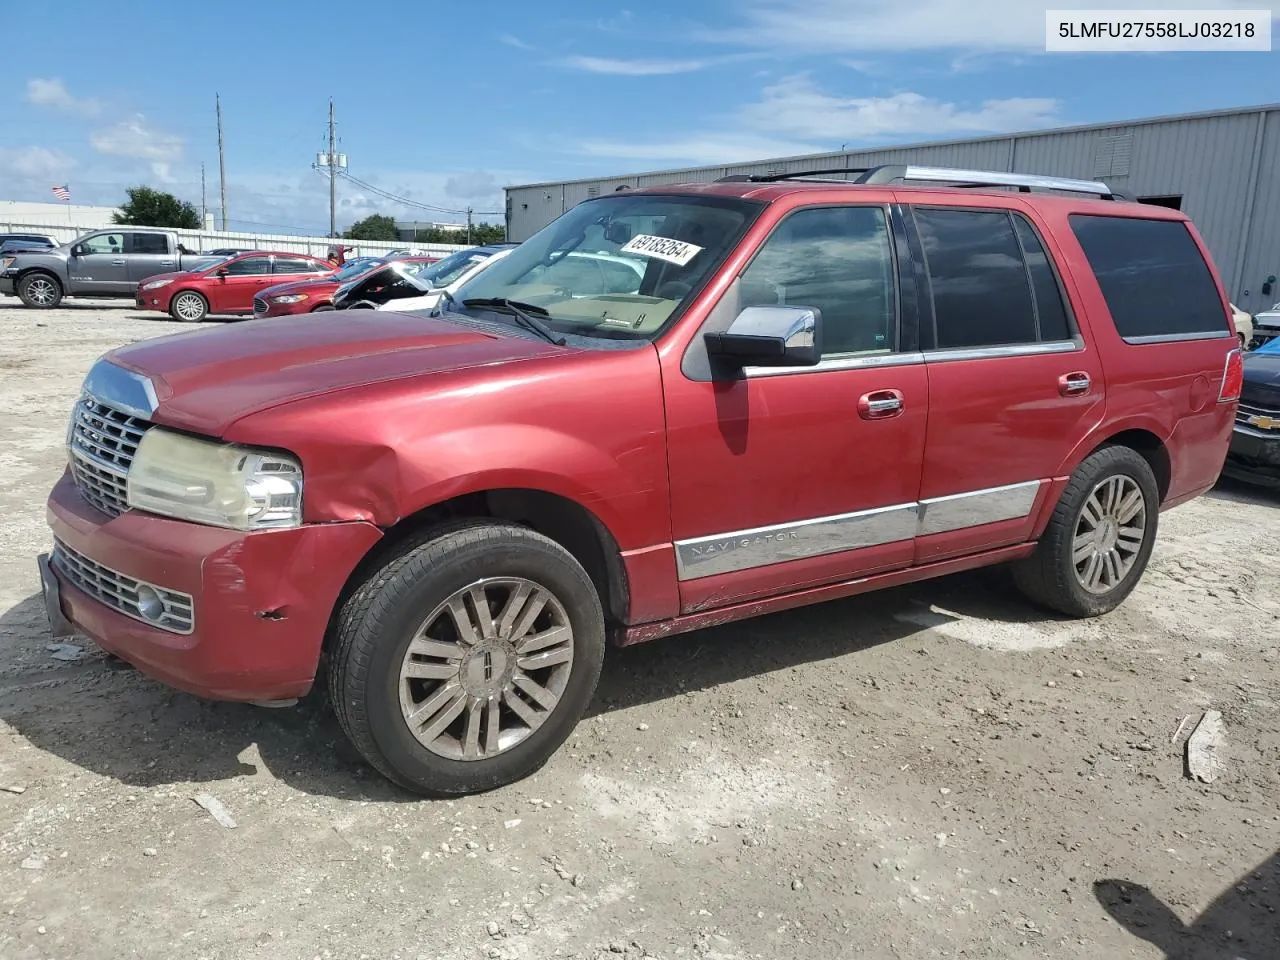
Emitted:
pixel 662 248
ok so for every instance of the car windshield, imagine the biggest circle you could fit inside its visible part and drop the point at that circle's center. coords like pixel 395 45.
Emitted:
pixel 444 272
pixel 618 267
pixel 353 268
pixel 203 263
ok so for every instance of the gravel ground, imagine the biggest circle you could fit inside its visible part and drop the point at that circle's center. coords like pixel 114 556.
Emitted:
pixel 933 771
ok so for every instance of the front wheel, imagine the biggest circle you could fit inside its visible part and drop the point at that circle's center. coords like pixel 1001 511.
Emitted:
pixel 189 307
pixel 323 308
pixel 1099 539
pixel 464 663
pixel 40 290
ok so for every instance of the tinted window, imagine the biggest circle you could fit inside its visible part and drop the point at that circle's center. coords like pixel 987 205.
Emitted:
pixel 146 243
pixel 981 295
pixel 249 267
pixel 105 243
pixel 1050 312
pixel 837 259
pixel 294 265
pixel 1152 275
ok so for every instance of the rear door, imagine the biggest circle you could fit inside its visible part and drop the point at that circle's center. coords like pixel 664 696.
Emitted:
pixel 1013 385
pixel 286 269
pixel 245 277
pixel 148 254
pixel 98 265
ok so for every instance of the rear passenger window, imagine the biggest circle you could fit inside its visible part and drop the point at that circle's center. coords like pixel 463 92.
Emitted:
pixel 1051 315
pixel 981 294
pixel 1152 276
pixel 839 260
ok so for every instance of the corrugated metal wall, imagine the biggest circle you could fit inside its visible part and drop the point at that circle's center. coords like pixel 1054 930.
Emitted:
pixel 1225 166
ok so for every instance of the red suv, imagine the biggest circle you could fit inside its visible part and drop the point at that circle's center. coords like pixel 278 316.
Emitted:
pixel 817 389
pixel 226 285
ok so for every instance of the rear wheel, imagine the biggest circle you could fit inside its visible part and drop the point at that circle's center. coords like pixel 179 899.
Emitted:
pixel 189 307
pixel 465 662
pixel 1099 539
pixel 40 290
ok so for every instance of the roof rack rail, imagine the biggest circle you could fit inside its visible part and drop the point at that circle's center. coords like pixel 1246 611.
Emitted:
pixel 900 173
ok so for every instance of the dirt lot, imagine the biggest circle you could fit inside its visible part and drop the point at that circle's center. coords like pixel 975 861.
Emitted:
pixel 935 771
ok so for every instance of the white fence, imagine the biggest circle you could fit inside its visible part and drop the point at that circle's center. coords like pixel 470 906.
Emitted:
pixel 215 239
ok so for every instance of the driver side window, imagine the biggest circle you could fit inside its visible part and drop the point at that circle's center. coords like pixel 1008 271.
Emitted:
pixel 839 260
pixel 249 267
pixel 104 243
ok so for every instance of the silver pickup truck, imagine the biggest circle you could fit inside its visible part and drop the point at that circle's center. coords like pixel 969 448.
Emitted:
pixel 104 263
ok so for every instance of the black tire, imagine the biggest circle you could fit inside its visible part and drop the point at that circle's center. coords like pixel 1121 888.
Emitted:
pixel 40 290
pixel 200 307
pixel 1049 577
pixel 373 630
pixel 323 308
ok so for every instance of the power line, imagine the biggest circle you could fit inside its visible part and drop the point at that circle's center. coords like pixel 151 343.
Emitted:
pixel 399 199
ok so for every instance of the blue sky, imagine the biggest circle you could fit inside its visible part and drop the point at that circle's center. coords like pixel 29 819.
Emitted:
pixel 446 103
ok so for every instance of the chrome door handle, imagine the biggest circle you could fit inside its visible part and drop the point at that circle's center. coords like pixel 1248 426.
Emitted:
pixel 880 404
pixel 118 263
pixel 1074 384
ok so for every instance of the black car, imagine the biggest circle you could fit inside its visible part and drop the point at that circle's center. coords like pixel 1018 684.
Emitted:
pixel 16 242
pixel 1255 442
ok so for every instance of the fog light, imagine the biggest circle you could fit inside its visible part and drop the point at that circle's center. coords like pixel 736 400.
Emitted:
pixel 150 606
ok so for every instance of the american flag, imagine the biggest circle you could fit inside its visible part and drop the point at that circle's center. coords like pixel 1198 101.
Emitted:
pixel 62 193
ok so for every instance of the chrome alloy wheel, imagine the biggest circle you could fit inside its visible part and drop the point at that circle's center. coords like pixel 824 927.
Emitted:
pixel 486 668
pixel 189 307
pixel 41 292
pixel 1109 534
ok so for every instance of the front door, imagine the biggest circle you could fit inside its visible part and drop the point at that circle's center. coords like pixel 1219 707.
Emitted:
pixel 98 265
pixel 245 276
pixel 1013 387
pixel 791 477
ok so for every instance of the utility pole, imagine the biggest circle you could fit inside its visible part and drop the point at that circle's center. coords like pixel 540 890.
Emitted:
pixel 204 204
pixel 222 161
pixel 468 226
pixel 333 178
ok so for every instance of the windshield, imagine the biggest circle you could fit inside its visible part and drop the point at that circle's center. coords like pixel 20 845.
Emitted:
pixel 353 268
pixel 444 272
pixel 203 263
pixel 618 267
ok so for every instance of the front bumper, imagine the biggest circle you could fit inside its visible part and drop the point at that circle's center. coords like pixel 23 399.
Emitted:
pixel 1254 456
pixel 262 600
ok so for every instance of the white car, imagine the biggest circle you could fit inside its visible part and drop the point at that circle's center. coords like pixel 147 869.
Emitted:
pixel 1244 326
pixel 1266 325
pixel 447 275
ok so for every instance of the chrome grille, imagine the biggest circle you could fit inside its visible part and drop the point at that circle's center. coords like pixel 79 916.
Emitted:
pixel 157 607
pixel 259 306
pixel 102 443
pixel 1246 410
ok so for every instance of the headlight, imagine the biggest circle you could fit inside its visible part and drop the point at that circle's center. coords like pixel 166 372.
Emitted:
pixel 216 483
pixel 289 298
pixel 156 284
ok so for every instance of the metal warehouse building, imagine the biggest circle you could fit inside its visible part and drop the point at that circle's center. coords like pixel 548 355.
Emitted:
pixel 1221 167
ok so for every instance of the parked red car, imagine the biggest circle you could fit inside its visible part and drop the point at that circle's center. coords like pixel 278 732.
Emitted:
pixel 226 285
pixel 309 296
pixel 818 389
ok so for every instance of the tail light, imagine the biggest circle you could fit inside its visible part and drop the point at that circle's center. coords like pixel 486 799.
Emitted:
pixel 1232 377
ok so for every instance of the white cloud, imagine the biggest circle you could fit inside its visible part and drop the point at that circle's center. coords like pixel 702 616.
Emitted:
pixel 135 138
pixel 840 26
pixel 634 68
pixel 514 41
pixel 34 163
pixel 53 93
pixel 473 186
pixel 795 106
pixel 794 117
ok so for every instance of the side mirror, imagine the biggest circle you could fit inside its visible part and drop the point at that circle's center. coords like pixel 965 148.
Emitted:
pixel 221 273
pixel 77 251
pixel 770 336
pixel 618 233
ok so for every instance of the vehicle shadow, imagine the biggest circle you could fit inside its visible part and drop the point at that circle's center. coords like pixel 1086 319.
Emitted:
pixel 1239 491
pixel 101 715
pixel 1243 923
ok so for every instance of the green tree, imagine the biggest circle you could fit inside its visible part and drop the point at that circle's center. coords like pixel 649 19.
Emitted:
pixel 481 233
pixel 155 208
pixel 377 226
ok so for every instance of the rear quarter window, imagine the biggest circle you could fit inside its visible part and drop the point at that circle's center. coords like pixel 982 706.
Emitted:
pixel 1153 277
